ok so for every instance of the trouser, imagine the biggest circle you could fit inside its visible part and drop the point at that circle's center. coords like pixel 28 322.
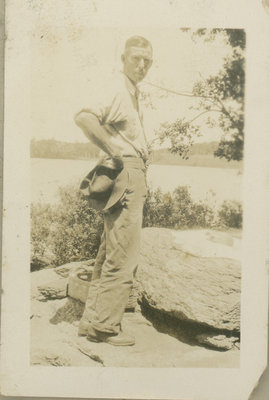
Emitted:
pixel 118 255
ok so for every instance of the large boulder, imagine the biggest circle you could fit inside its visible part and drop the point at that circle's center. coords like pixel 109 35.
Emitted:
pixel 189 292
pixel 191 280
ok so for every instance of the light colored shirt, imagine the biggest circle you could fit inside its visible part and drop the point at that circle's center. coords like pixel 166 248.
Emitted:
pixel 116 105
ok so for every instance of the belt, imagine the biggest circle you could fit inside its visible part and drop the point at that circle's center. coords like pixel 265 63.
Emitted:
pixel 133 162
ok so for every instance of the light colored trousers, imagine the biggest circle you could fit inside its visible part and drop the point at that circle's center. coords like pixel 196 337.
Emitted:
pixel 118 255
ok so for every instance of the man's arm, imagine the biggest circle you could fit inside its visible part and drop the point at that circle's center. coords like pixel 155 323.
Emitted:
pixel 95 132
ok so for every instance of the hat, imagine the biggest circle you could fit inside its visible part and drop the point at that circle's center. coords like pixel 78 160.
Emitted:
pixel 104 186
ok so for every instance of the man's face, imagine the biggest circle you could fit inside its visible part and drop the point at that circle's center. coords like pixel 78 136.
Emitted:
pixel 136 62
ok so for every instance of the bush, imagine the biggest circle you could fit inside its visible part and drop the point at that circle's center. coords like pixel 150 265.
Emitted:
pixel 230 214
pixel 42 217
pixel 77 233
pixel 71 231
pixel 178 211
pixel 158 209
pixel 68 231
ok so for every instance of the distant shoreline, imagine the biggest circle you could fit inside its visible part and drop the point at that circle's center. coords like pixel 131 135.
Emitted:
pixel 200 155
pixel 206 161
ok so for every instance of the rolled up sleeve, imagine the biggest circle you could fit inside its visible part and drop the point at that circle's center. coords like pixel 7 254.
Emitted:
pixel 106 106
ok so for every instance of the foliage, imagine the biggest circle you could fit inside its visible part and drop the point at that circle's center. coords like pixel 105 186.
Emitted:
pixel 158 209
pixel 230 214
pixel 221 95
pixel 177 211
pixel 70 231
pixel 78 231
pixel 42 221
pixel 181 134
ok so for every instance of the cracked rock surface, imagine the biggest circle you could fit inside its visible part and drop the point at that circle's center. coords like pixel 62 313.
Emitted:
pixel 161 340
pixel 54 342
pixel 197 285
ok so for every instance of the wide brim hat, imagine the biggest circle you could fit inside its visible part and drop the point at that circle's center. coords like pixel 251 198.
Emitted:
pixel 104 186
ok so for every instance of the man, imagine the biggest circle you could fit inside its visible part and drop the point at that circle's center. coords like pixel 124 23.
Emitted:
pixel 114 123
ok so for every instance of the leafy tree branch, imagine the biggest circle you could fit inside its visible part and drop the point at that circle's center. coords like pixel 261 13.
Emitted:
pixel 222 93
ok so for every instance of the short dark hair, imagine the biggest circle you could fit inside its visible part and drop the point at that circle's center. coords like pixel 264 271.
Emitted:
pixel 137 41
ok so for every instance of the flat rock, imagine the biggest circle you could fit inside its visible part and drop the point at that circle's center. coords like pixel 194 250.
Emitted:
pixel 190 284
pixel 64 270
pixel 155 349
pixel 182 284
pixel 51 283
pixel 55 289
pixel 209 243
pixel 54 342
pixel 46 284
pixel 220 342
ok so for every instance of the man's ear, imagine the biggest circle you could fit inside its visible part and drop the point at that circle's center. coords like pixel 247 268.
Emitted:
pixel 123 58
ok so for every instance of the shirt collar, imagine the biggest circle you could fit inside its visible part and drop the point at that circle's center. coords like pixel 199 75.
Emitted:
pixel 133 89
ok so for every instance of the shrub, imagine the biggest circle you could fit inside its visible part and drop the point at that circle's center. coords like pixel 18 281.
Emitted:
pixel 230 214
pixel 187 213
pixel 178 211
pixel 67 231
pixel 71 231
pixel 158 209
pixel 42 217
pixel 76 235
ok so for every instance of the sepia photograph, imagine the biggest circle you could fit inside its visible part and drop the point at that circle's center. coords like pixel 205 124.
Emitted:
pixel 134 221
pixel 137 142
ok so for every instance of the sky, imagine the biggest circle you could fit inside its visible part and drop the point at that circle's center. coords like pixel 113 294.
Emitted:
pixel 69 56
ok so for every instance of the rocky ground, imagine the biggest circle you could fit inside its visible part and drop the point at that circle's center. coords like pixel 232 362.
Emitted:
pixel 169 331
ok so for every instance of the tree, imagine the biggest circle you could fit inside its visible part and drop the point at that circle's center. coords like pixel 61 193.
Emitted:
pixel 221 95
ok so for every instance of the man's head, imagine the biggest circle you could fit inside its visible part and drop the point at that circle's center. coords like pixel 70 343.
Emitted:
pixel 137 58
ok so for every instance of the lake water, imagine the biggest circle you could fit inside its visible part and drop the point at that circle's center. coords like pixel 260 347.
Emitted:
pixel 215 184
